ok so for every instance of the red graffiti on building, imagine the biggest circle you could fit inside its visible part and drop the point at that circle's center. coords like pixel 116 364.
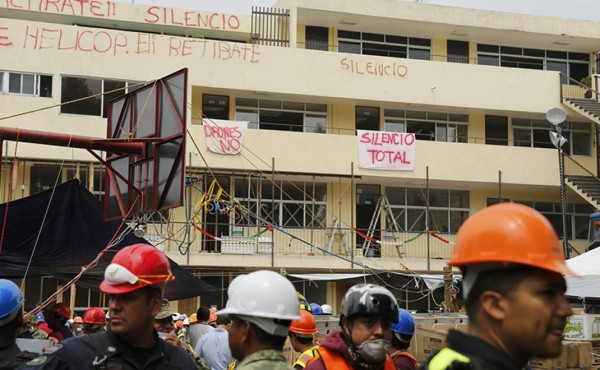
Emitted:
pixel 221 50
pixel 189 18
pixel 85 40
pixel 4 40
pixel 94 8
pixel 373 68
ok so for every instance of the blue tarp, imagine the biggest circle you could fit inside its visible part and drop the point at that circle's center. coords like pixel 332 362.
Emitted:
pixel 73 234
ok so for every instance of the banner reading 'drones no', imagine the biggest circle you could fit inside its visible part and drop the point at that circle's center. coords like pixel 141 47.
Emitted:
pixel 224 137
pixel 386 150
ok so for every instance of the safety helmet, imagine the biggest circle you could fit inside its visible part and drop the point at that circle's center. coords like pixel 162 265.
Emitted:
pixel 405 324
pixel 316 309
pixel 193 318
pixel 11 299
pixel 327 309
pixel 303 302
pixel 213 317
pixel 306 325
pixel 78 319
pixel 94 315
pixel 135 267
pixel 62 309
pixel 263 298
pixel 370 299
pixel 39 317
pixel 509 233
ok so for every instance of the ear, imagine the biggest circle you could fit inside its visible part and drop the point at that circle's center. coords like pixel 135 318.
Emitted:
pixel 494 305
pixel 156 304
pixel 245 332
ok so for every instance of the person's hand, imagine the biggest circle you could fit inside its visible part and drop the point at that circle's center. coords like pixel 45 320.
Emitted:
pixel 172 338
pixel 53 340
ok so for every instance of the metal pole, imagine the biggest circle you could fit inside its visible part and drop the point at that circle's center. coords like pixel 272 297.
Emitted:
pixel 427 219
pixel 563 204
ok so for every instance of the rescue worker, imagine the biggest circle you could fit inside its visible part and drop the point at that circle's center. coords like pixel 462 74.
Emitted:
pixel 596 241
pixel 57 317
pixel 301 338
pixel 402 333
pixel 135 281
pixel 11 320
pixel 368 312
pixel 316 309
pixel 94 320
pixel 198 325
pixel 77 326
pixel 214 346
pixel 41 322
pixel 31 329
pixel 327 309
pixel 261 306
pixel 512 265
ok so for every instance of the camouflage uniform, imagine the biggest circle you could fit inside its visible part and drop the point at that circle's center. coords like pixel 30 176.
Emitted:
pixel 266 359
pixel 37 333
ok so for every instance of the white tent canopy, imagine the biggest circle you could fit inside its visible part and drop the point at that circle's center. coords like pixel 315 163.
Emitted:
pixel 587 265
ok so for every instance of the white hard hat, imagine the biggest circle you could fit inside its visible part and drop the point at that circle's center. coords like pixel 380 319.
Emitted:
pixel 262 297
pixel 186 322
pixel 327 309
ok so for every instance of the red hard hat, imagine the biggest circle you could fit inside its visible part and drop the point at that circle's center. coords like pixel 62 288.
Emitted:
pixel 62 309
pixel 94 315
pixel 135 267
pixel 597 223
pixel 509 233
pixel 306 324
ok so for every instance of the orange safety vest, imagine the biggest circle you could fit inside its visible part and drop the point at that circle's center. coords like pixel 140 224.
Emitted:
pixel 405 354
pixel 335 361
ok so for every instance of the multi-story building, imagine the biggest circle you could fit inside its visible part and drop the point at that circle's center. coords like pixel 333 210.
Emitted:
pixel 472 87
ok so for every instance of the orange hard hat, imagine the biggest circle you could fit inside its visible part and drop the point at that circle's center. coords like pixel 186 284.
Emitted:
pixel 212 318
pixel 62 309
pixel 306 324
pixel 193 318
pixel 179 324
pixel 509 233
pixel 94 315
pixel 135 267
pixel 597 223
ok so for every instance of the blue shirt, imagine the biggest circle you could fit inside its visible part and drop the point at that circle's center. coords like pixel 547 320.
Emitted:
pixel 214 348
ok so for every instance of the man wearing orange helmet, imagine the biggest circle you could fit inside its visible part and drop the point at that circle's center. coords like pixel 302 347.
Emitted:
pixel 57 317
pixel 512 265
pixel 301 339
pixel 135 281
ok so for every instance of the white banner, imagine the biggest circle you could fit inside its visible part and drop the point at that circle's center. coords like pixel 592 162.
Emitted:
pixel 224 137
pixel 386 150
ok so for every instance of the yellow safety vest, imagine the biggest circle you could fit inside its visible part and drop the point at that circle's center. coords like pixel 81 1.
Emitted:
pixel 306 356
pixel 445 358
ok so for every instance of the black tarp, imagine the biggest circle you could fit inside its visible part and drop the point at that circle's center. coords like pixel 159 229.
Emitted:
pixel 73 234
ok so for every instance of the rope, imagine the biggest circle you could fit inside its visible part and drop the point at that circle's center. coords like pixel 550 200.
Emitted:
pixel 10 185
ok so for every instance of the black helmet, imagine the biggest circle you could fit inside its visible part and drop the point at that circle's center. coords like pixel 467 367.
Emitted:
pixel 370 299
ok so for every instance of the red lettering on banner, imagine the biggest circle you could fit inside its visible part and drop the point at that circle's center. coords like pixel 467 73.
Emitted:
pixel 381 138
pixel 226 137
pixel 97 8
pixel 97 41
pixel 388 156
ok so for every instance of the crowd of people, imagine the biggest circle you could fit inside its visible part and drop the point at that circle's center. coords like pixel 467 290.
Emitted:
pixel 513 289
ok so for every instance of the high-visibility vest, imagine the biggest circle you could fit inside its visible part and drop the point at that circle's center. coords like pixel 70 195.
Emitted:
pixel 306 356
pixel 445 358
pixel 335 361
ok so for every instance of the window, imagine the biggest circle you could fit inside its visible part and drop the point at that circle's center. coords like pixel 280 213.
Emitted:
pixel 577 217
pixel 95 91
pixel 215 106
pixel 317 38
pixel 448 209
pixel 433 126
pixel 367 118
pixel 282 115
pixel 458 51
pixel 496 130
pixel 289 204
pixel 535 133
pixel 26 84
pixel 572 64
pixel 44 177
pixel 384 45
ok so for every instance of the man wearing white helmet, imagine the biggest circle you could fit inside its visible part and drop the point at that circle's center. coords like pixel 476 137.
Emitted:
pixel 261 306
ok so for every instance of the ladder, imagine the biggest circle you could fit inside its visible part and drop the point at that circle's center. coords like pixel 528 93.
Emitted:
pixel 389 220
pixel 337 232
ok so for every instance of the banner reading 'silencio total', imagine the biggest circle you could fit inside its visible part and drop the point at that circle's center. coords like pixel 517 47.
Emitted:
pixel 381 150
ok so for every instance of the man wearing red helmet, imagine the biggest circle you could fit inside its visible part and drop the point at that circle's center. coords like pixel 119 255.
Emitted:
pixel 513 265
pixel 94 320
pixel 135 281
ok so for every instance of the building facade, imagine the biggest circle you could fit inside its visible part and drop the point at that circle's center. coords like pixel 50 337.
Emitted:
pixel 468 90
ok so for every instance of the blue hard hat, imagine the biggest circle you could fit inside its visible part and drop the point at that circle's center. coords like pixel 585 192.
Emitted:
pixel 39 317
pixel 405 324
pixel 316 309
pixel 11 299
